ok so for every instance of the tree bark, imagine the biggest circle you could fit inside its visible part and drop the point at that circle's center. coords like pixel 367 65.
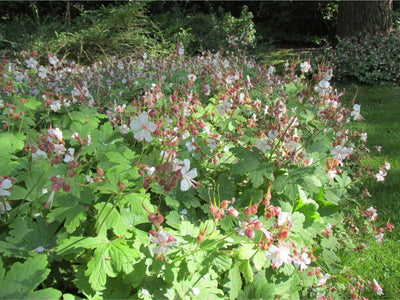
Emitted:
pixel 364 17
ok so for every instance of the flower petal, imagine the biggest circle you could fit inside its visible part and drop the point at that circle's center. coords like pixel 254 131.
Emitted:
pixel 185 185
pixel 6 184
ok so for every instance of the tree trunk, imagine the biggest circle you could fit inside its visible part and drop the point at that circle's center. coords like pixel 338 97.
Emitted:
pixel 364 17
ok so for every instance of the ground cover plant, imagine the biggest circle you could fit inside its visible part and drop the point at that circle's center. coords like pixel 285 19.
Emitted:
pixel 368 59
pixel 179 177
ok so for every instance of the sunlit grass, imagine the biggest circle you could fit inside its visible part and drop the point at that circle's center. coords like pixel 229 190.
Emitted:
pixel 380 106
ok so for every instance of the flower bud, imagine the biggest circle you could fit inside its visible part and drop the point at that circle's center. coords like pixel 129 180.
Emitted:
pixel 121 186
pixel 152 217
pixel 250 233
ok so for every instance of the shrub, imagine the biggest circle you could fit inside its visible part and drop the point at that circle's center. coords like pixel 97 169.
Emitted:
pixel 210 31
pixel 371 59
pixel 178 177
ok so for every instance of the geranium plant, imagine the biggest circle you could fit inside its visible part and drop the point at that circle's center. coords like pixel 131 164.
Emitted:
pixel 208 176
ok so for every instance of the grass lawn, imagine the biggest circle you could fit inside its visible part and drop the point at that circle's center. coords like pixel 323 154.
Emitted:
pixel 380 106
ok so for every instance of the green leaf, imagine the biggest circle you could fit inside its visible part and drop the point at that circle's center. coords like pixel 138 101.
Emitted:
pixel 173 219
pixel 11 143
pixel 99 267
pixel 222 262
pixel 259 289
pixel 263 171
pixel 73 216
pixel 292 89
pixel 234 283
pixel 24 278
pixel 244 252
pixel 75 242
pixel 246 270
pixel 249 161
pixel 186 228
pixel 331 260
pixel 259 260
pixel 108 216
pixel 26 235
pixel 138 273
pixel 122 256
pixel 48 293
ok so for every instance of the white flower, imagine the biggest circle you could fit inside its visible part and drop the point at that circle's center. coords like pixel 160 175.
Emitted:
pixel 379 238
pixel 191 146
pixel 279 255
pixel 56 132
pixel 38 154
pixel 59 148
pixel 89 179
pixel 5 186
pixel 331 174
pixel 42 73
pixel 324 84
pixel 380 176
pixel 212 144
pixel 387 165
pixel 69 156
pixel 262 145
pixel 284 218
pixel 271 70
pixel 55 106
pixel 163 241
pixel 192 77
pixel 377 288
pixel 31 63
pixel 8 207
pixel 142 127
pixel 322 281
pixel 187 176
pixel 303 261
pixel 195 291
pixel 124 129
pixel 340 152
pixel 39 249
pixel 292 146
pixel 145 292
pixel 53 60
pixel 305 67
pixel 372 213
pixel 181 50
pixel 224 107
pixel 356 112
pixel 364 137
